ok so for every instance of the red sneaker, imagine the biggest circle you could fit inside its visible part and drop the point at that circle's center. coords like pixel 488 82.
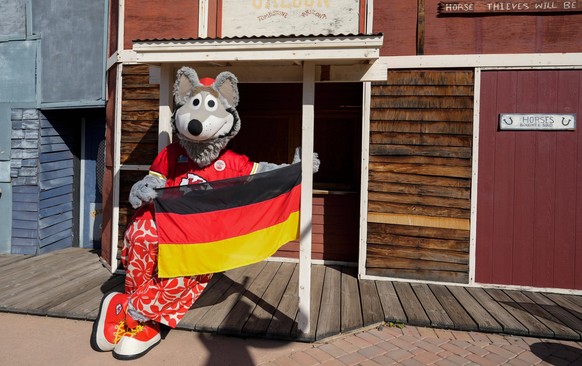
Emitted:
pixel 138 341
pixel 109 327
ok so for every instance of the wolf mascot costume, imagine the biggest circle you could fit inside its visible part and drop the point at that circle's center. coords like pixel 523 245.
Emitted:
pixel 205 120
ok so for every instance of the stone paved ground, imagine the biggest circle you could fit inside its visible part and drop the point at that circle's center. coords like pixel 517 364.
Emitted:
pixel 32 340
pixel 413 346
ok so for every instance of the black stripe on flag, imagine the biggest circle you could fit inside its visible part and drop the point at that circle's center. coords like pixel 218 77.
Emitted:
pixel 228 193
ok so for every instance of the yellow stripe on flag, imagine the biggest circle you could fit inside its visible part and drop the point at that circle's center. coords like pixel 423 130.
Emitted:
pixel 176 260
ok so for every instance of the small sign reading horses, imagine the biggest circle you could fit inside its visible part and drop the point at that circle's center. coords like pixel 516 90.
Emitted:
pixel 537 122
pixel 505 7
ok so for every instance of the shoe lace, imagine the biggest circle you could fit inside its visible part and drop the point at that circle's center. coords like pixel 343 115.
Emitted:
pixel 119 331
pixel 132 332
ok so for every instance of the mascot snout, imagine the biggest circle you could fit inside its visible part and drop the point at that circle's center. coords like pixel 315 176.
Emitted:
pixel 195 127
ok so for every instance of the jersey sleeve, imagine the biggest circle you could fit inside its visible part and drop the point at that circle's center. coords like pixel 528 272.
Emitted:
pixel 160 166
pixel 242 164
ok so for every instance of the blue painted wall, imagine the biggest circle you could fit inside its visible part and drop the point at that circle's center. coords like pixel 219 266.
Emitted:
pixel 52 77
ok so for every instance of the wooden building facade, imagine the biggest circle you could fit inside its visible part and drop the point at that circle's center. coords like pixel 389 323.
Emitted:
pixel 52 122
pixel 402 101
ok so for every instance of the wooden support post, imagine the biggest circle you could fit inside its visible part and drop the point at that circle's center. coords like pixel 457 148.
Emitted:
pixel 303 317
pixel 165 125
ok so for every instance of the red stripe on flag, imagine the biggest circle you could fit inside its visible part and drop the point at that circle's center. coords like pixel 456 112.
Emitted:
pixel 224 224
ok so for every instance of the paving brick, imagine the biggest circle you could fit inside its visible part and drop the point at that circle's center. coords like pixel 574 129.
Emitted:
pixel 517 362
pixel 479 351
pixel 462 336
pixel 529 357
pixel 455 349
pixel 427 346
pixel 347 346
pixel 399 355
pixel 370 363
pixel 384 360
pixel 427 332
pixel 332 350
pixel 304 359
pixel 370 337
pixel 318 354
pixel 352 359
pixel 412 362
pixel 426 358
pixel 500 351
pixel 372 351
pixel 481 361
pixel 286 361
pixel 403 343
pixel 458 360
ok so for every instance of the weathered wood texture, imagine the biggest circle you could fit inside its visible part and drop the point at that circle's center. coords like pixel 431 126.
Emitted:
pixel 139 133
pixel 529 209
pixel 261 300
pixel 473 33
pixel 420 175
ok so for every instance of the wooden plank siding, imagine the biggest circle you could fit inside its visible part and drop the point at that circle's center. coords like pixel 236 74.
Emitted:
pixel 419 187
pixel 260 300
pixel 139 133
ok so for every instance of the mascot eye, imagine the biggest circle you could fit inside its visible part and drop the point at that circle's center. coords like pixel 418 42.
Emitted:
pixel 197 101
pixel 211 103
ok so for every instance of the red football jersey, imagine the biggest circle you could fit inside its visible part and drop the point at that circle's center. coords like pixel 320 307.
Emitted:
pixel 174 165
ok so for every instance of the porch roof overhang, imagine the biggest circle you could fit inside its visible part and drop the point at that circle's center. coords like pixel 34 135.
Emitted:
pixel 337 57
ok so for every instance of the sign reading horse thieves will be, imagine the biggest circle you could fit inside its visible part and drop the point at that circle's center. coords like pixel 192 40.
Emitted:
pixel 537 122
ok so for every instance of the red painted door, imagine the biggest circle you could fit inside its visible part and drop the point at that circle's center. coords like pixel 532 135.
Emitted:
pixel 529 203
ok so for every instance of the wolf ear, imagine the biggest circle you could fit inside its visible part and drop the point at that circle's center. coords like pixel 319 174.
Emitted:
pixel 186 80
pixel 226 84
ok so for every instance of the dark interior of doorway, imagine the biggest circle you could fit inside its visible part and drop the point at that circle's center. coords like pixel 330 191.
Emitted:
pixel 271 130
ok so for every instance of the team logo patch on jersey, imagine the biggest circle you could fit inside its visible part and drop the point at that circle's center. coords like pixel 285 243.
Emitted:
pixel 219 165
pixel 192 179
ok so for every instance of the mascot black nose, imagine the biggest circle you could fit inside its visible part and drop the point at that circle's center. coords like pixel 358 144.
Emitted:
pixel 195 127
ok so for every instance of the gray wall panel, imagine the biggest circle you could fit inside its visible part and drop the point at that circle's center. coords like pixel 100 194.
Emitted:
pixel 73 56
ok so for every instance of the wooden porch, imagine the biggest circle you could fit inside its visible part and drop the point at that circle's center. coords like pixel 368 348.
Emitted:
pixel 261 300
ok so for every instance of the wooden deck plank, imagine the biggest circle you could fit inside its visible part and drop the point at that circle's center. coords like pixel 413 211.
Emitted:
pixel 372 312
pixel 283 319
pixel 509 323
pixel 215 291
pixel 571 321
pixel 220 311
pixel 576 299
pixel 436 313
pixel 85 305
pixel 534 326
pixel 351 307
pixel 263 313
pixel 65 291
pixel 391 306
pixel 458 314
pixel 34 269
pixel 47 280
pixel 412 307
pixel 543 316
pixel 485 322
pixel 566 302
pixel 72 282
pixel 316 294
pixel 242 310
pixel 329 322
pixel 6 261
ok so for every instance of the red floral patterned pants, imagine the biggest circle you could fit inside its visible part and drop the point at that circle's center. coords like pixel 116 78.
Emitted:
pixel 164 300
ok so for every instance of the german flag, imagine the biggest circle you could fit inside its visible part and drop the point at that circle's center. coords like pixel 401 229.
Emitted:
pixel 216 226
